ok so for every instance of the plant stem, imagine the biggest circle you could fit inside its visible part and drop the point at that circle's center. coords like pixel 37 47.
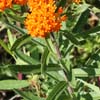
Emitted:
pixel 69 89
pixel 56 46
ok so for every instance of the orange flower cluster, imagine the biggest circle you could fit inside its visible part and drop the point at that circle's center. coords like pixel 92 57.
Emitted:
pixel 20 2
pixel 5 4
pixel 77 1
pixel 8 3
pixel 42 20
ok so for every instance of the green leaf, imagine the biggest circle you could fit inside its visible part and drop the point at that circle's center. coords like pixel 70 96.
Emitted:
pixel 28 95
pixel 58 76
pixel 50 45
pixel 68 49
pixel 39 41
pixel 64 97
pixel 65 68
pixel 61 3
pixel 92 86
pixel 25 39
pixel 19 42
pixel 13 84
pixel 94 56
pixel 82 21
pixel 5 47
pixel 70 37
pixel 18 29
pixel 95 96
pixel 86 72
pixel 27 69
pixel 81 8
pixel 15 17
pixel 44 60
pixel 93 31
pixel 24 95
pixel 10 37
pixel 56 90
pixel 26 58
pixel 89 96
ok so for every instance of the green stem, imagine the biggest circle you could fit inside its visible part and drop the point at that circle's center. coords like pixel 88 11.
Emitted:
pixel 69 89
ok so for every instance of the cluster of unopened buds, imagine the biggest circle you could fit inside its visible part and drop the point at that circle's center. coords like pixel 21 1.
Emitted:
pixel 42 19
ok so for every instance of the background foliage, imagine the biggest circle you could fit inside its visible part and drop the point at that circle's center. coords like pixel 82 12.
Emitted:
pixel 65 66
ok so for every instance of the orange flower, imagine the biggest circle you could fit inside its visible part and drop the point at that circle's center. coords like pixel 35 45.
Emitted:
pixel 5 4
pixel 42 20
pixel 20 2
pixel 77 1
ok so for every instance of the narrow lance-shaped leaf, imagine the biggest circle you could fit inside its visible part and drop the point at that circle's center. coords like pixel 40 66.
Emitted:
pixel 89 96
pixel 82 21
pixel 18 29
pixel 26 58
pixel 10 37
pixel 50 45
pixel 92 86
pixel 93 31
pixel 24 95
pixel 15 17
pixel 86 72
pixel 13 84
pixel 19 42
pixel 94 56
pixel 5 47
pixel 27 69
pixel 44 60
pixel 28 95
pixel 71 37
pixel 56 90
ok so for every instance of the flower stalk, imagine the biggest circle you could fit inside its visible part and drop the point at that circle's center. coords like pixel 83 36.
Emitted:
pixel 69 88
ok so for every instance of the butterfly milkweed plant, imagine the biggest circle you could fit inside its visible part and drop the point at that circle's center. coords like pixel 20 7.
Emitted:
pixel 49 49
